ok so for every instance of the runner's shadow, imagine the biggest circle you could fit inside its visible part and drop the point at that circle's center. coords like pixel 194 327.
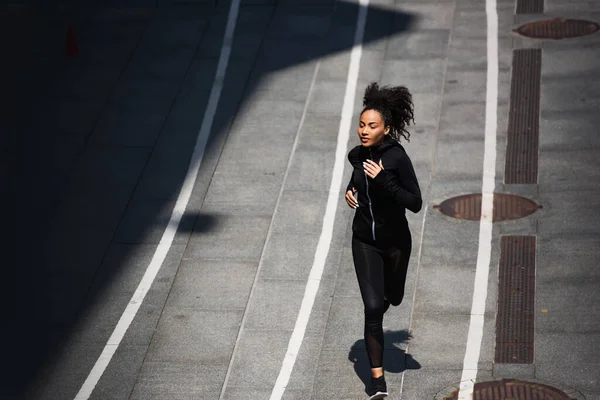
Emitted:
pixel 395 359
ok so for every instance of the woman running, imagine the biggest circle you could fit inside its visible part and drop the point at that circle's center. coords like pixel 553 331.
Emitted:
pixel 386 184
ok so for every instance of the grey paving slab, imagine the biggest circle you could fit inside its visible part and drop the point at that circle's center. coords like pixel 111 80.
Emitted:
pixel 460 119
pixel 370 66
pixel 425 76
pixel 299 212
pixel 573 95
pixel 77 360
pixel 195 336
pixel 253 14
pixel 421 148
pixel 244 44
pixel 425 44
pixel 436 288
pixel 435 351
pixel 319 131
pixel 554 355
pixel 427 112
pixel 334 366
pixel 208 284
pixel 81 82
pixel 571 6
pixel 305 370
pixel 569 285
pixel 459 157
pixel 574 170
pixel 449 241
pixel 327 97
pixel 181 129
pixel 284 114
pixel 427 384
pixel 243 194
pixel 258 351
pixel 444 188
pixel 289 255
pixel 269 82
pixel 379 24
pixel 171 31
pixel 310 172
pixel 119 127
pixel 178 380
pixel 114 284
pixel 275 305
pixel 334 66
pixel 156 181
pixel 247 393
pixel 145 94
pixel 465 85
pixel 558 127
pixel 159 63
pixel 119 379
pixel 59 116
pixel 232 237
pixel 575 62
pixel 110 48
pixel 144 221
pixel 192 98
pixel 566 214
pixel 428 15
pixel 471 53
pixel 301 23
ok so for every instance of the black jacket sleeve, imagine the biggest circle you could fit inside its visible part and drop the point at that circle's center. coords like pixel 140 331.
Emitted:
pixel 401 183
pixel 350 184
pixel 352 157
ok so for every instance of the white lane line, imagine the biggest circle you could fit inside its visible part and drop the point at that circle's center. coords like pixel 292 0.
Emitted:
pixel 314 278
pixel 182 201
pixel 474 339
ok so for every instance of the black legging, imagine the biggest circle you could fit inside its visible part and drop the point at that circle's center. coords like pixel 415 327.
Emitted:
pixel 381 272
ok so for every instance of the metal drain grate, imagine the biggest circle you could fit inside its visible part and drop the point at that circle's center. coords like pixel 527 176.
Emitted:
pixel 521 165
pixel 516 300
pixel 506 207
pixel 513 389
pixel 557 29
pixel 530 7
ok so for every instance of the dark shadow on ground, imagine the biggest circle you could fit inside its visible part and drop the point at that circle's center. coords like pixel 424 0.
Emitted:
pixel 395 359
pixel 60 218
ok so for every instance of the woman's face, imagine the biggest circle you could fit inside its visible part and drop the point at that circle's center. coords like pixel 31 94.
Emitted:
pixel 371 129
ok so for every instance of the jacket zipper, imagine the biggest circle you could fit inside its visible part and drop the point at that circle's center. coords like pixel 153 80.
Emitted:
pixel 370 204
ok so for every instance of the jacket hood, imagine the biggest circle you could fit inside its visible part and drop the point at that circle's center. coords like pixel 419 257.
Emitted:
pixel 387 143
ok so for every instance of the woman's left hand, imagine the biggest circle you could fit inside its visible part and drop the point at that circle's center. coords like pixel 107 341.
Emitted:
pixel 372 168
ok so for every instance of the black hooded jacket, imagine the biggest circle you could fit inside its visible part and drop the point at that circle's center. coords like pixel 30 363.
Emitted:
pixel 382 202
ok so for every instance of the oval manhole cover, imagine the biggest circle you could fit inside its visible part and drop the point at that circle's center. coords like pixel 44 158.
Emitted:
pixel 558 28
pixel 506 207
pixel 513 389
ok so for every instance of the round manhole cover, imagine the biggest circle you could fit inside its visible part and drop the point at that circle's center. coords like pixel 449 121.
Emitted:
pixel 558 28
pixel 513 389
pixel 506 207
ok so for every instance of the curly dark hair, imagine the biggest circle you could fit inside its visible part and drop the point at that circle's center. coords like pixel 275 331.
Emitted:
pixel 395 106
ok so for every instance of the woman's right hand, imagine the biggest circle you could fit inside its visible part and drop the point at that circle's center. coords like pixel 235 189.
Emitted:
pixel 350 198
